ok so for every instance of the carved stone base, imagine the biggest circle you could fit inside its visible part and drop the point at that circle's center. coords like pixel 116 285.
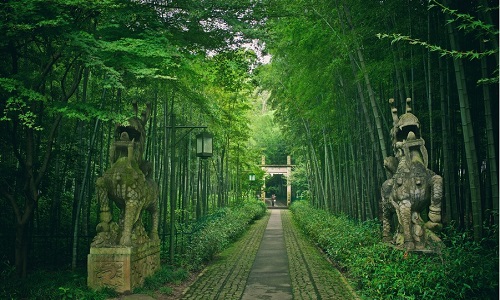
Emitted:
pixel 122 268
pixel 428 242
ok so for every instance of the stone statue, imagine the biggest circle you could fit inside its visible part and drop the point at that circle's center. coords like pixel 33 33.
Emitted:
pixel 129 185
pixel 412 189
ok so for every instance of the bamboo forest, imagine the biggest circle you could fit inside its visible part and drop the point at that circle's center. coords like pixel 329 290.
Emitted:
pixel 178 129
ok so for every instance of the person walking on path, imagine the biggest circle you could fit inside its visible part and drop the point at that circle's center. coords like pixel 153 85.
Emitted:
pixel 273 199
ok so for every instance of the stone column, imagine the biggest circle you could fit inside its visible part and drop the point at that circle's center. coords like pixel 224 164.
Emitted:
pixel 263 189
pixel 288 183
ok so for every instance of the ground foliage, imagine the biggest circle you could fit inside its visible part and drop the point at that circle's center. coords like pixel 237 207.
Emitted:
pixel 217 232
pixel 464 270
pixel 167 274
pixel 50 284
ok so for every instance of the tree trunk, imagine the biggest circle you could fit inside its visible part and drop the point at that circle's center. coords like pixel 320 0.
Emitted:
pixel 31 189
pixel 485 13
pixel 470 147
pixel 399 78
pixel 173 190
pixel 85 175
pixel 490 137
pixel 199 192
pixel 356 211
pixel 445 133
pixel 335 181
pixel 364 72
pixel 165 166
pixel 22 230
pixel 327 178
pixel 21 252
pixel 316 168
pixel 55 207
pixel 362 102
pixel 220 195
pixel 429 94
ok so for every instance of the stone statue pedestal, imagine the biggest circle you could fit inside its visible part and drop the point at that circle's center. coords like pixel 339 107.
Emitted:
pixel 122 268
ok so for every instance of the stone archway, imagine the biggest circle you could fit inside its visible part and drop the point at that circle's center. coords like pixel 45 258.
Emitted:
pixel 278 169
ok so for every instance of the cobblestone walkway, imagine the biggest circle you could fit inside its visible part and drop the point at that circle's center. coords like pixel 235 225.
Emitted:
pixel 313 277
pixel 300 272
pixel 226 277
pixel 269 277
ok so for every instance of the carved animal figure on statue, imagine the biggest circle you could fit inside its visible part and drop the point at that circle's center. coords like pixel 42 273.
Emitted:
pixel 411 189
pixel 128 184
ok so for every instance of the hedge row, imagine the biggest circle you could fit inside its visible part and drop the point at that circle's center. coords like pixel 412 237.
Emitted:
pixel 218 231
pixel 464 270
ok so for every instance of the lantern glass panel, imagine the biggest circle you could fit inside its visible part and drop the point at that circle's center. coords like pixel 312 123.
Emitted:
pixel 204 145
pixel 207 141
pixel 199 145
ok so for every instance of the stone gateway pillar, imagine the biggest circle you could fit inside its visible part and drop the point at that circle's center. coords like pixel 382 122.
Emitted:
pixel 263 188
pixel 122 253
pixel 288 181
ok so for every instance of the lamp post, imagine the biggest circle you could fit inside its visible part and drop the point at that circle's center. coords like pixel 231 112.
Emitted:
pixel 173 187
pixel 204 143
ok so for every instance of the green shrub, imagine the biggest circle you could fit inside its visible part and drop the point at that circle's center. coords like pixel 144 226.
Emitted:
pixel 464 270
pixel 166 290
pixel 166 274
pixel 218 231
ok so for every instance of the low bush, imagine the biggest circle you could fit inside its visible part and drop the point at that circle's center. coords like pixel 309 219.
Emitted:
pixel 464 270
pixel 166 274
pixel 218 231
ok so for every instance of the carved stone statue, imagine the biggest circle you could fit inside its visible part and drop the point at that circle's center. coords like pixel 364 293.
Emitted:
pixel 129 185
pixel 412 190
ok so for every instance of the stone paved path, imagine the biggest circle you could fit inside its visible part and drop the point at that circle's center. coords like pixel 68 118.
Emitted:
pixel 269 277
pixel 273 260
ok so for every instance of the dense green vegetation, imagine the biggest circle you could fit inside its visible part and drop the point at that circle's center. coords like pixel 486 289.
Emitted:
pixel 463 270
pixel 49 284
pixel 310 79
pixel 71 72
pixel 334 66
